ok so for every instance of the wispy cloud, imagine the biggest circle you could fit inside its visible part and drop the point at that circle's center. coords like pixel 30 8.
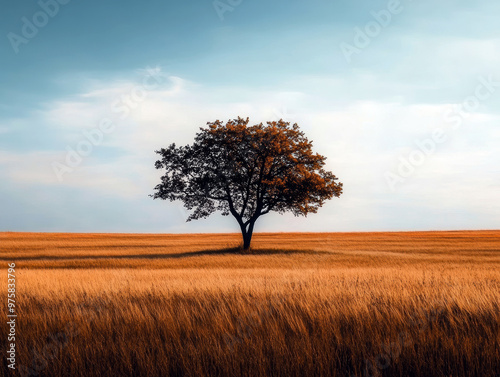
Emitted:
pixel 361 141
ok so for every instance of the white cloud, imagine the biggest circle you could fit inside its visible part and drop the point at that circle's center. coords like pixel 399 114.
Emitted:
pixel 362 140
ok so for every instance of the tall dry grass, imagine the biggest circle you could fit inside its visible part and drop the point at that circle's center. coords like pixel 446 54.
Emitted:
pixel 346 304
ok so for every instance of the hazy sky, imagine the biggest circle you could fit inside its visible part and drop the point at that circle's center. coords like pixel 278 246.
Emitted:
pixel 403 97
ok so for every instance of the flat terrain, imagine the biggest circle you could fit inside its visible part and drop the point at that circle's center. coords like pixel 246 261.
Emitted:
pixel 299 304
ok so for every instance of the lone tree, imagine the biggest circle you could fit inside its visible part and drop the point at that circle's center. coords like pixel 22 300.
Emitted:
pixel 246 171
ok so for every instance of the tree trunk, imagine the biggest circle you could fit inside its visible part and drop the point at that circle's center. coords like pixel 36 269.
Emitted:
pixel 247 236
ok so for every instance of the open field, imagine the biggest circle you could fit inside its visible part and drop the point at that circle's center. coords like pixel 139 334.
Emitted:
pixel 300 304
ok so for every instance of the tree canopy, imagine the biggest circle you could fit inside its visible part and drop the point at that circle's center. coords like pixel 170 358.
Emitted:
pixel 246 171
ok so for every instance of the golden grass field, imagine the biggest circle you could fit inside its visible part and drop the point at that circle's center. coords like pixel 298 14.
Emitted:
pixel 299 304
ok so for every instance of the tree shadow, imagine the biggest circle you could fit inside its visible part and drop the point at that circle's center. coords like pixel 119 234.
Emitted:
pixel 231 251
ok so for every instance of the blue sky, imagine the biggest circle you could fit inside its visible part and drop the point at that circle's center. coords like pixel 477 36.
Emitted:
pixel 401 96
